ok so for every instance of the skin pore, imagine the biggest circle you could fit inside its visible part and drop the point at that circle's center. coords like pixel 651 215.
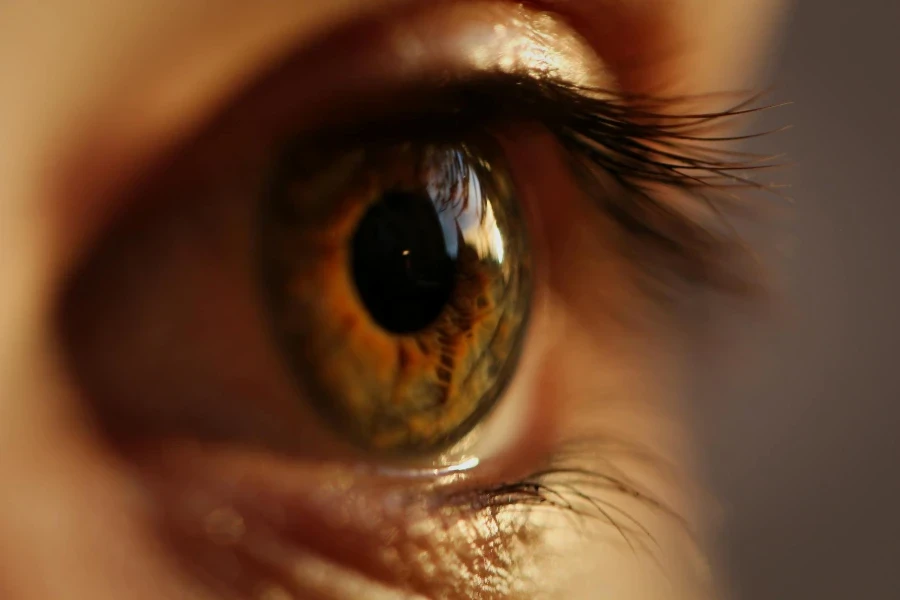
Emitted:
pixel 95 92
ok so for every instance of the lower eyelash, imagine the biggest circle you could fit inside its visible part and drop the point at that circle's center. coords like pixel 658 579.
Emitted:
pixel 585 498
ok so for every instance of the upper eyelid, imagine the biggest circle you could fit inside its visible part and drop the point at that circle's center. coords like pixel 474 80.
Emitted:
pixel 284 105
pixel 166 104
pixel 646 151
pixel 362 65
pixel 135 128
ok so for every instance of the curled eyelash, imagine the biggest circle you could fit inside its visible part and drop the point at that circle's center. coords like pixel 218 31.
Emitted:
pixel 639 160
pixel 657 168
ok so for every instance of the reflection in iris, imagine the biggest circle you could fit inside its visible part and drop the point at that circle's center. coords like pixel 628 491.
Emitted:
pixel 466 212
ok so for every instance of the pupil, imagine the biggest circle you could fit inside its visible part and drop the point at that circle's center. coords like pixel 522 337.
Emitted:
pixel 402 266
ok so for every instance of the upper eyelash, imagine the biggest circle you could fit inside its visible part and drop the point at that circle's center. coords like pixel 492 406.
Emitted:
pixel 641 146
pixel 628 152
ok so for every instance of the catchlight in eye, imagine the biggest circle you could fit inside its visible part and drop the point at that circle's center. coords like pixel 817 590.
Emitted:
pixel 398 281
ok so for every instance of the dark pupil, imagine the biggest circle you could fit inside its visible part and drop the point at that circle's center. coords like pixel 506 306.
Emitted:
pixel 402 266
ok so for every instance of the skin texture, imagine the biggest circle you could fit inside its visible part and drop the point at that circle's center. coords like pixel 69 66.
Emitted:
pixel 96 90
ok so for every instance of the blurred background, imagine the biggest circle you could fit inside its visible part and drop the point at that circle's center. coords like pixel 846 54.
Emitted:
pixel 800 435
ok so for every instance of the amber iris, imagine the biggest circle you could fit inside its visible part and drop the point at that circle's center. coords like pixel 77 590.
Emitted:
pixel 398 283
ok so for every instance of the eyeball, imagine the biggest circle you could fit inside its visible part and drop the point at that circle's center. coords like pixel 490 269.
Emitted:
pixel 398 283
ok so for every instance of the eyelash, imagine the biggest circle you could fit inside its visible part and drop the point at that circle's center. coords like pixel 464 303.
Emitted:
pixel 627 151
pixel 582 493
pixel 645 149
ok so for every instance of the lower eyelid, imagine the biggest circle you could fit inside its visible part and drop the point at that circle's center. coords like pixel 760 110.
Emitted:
pixel 217 504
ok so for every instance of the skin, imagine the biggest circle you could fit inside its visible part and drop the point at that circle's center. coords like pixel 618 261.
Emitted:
pixel 92 96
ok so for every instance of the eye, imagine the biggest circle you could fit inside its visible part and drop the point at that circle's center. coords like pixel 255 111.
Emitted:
pixel 397 277
pixel 389 304
pixel 344 272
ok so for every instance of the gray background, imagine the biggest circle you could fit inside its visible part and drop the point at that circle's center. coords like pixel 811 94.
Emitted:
pixel 799 435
